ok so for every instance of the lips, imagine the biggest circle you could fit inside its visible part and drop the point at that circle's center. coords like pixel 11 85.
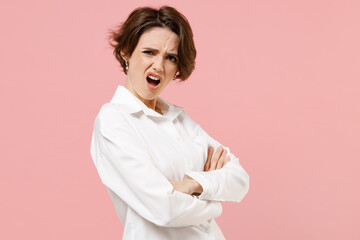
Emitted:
pixel 153 79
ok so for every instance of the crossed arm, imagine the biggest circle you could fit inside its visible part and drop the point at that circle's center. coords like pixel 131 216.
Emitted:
pixel 190 186
pixel 122 168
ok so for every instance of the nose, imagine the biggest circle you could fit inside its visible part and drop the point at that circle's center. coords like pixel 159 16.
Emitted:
pixel 158 64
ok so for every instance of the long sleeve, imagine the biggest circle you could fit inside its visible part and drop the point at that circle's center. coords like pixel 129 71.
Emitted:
pixel 230 183
pixel 126 168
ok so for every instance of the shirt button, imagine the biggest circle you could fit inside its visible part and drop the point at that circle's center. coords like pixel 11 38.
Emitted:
pixel 179 138
pixel 191 166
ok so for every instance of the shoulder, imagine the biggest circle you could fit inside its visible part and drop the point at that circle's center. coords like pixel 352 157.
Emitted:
pixel 112 115
pixel 186 120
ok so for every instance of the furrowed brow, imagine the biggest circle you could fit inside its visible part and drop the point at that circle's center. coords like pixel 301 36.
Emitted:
pixel 154 49
pixel 173 54
pixel 150 49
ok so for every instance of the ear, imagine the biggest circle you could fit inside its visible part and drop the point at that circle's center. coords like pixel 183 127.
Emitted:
pixel 125 57
pixel 176 74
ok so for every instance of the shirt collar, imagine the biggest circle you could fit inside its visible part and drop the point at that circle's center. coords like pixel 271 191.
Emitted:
pixel 131 104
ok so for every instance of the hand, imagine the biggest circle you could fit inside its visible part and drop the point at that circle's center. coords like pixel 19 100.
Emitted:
pixel 192 187
pixel 187 185
pixel 218 160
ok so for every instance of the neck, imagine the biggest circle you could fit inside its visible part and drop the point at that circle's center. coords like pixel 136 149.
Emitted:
pixel 149 103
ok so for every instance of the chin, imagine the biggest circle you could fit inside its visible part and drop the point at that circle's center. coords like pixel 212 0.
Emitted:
pixel 147 95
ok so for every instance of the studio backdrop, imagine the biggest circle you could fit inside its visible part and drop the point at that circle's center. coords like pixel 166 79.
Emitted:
pixel 278 82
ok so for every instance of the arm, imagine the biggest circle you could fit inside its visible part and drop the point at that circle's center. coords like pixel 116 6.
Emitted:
pixel 217 161
pixel 230 183
pixel 187 185
pixel 128 170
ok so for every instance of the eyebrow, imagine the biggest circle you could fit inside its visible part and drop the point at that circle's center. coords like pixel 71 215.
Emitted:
pixel 155 50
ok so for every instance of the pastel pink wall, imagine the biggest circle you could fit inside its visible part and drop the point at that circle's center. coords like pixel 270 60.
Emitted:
pixel 276 81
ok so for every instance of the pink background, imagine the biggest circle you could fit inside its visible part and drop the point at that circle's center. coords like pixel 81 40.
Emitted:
pixel 276 81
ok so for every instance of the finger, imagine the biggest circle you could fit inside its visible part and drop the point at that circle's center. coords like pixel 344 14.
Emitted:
pixel 208 160
pixel 221 160
pixel 215 158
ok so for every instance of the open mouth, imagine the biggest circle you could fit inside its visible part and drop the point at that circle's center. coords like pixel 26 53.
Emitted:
pixel 153 80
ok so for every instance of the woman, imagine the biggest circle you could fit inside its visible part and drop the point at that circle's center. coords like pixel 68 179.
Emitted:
pixel 155 161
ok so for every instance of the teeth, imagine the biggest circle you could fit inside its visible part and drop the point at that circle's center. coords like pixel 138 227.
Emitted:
pixel 154 78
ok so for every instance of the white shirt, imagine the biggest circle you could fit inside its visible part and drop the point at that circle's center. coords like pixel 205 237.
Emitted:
pixel 137 152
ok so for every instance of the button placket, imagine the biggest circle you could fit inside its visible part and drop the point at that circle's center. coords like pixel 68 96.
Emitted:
pixel 173 131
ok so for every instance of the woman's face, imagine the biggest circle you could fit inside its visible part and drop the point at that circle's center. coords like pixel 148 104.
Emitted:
pixel 153 64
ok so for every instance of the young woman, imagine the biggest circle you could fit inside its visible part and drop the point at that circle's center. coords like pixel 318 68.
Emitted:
pixel 159 166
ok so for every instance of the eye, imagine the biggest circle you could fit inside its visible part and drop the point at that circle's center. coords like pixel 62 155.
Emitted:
pixel 148 52
pixel 172 58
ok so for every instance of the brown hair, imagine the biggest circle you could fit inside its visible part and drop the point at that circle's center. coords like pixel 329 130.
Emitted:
pixel 126 36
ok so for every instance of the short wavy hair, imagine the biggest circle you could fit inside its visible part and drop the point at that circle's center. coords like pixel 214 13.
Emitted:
pixel 126 36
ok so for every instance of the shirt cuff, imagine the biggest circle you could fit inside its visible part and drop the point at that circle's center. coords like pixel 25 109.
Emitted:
pixel 205 184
